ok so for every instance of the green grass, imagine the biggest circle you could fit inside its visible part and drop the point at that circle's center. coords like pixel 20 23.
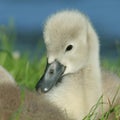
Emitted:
pixel 111 65
pixel 27 72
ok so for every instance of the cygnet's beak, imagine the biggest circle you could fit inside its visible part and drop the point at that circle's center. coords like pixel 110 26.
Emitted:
pixel 52 75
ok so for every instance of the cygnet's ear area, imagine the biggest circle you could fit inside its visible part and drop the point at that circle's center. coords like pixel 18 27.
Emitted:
pixel 65 36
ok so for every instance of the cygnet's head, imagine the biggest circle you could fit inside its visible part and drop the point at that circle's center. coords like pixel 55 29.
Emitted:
pixel 65 36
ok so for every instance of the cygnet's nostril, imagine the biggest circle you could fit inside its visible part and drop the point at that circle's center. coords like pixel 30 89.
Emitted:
pixel 51 71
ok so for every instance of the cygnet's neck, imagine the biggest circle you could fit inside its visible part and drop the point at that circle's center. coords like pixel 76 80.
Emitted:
pixel 93 66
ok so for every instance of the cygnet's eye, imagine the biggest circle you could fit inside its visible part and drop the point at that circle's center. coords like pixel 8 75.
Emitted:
pixel 69 47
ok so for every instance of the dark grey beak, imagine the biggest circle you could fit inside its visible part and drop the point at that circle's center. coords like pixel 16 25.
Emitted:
pixel 51 77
